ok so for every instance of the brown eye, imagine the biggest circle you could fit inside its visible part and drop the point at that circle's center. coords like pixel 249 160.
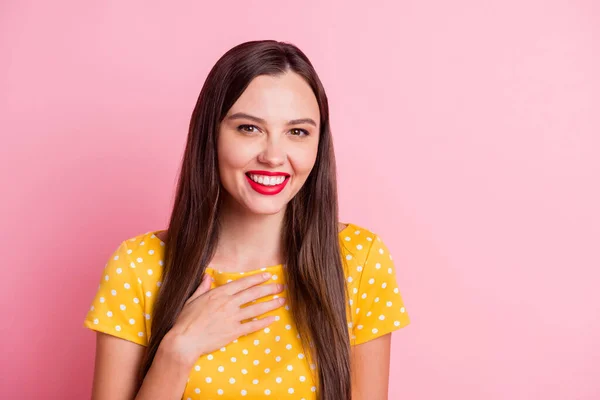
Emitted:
pixel 243 128
pixel 305 132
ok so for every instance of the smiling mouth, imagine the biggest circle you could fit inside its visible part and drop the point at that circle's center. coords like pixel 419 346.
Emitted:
pixel 267 181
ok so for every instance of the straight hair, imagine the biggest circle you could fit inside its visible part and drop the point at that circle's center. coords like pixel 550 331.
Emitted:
pixel 317 291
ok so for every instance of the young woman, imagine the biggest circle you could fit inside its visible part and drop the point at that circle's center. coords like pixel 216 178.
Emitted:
pixel 255 290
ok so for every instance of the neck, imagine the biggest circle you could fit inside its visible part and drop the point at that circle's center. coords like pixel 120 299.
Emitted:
pixel 248 241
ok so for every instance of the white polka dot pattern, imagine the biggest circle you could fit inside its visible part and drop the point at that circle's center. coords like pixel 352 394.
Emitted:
pixel 379 308
pixel 266 363
pixel 119 306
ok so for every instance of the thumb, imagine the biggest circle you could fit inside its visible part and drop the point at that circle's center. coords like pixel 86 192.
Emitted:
pixel 203 287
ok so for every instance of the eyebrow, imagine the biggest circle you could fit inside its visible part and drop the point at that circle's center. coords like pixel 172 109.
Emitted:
pixel 240 115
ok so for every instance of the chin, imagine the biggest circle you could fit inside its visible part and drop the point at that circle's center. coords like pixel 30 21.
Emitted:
pixel 266 209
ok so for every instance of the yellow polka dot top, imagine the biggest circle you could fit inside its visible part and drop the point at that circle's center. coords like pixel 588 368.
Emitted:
pixel 268 362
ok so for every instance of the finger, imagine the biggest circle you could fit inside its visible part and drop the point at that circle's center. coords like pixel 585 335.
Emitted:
pixel 202 288
pixel 256 292
pixel 260 308
pixel 238 285
pixel 253 326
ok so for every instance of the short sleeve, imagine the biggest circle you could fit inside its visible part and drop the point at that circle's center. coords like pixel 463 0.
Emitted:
pixel 118 306
pixel 379 305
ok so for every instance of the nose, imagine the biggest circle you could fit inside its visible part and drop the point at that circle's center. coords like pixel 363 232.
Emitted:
pixel 273 153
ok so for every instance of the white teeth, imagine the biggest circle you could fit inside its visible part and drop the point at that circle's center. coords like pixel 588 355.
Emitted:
pixel 267 180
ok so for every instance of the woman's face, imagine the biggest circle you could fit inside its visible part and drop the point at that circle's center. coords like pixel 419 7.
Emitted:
pixel 267 143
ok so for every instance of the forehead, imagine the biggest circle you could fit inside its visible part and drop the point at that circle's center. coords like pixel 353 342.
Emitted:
pixel 278 99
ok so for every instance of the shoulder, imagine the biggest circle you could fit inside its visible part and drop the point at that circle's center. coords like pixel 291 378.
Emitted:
pixel 144 243
pixel 357 241
pixel 143 254
pixel 364 255
pixel 141 246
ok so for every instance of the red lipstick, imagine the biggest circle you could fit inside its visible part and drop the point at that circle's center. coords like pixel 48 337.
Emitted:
pixel 268 173
pixel 264 189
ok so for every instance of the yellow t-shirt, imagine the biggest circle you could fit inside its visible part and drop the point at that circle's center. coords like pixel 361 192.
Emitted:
pixel 268 362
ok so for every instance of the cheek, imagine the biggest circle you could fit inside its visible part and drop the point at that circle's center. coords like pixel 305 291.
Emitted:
pixel 232 156
pixel 229 161
pixel 303 159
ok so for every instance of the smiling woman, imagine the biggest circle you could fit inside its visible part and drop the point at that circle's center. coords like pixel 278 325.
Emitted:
pixel 273 146
pixel 256 288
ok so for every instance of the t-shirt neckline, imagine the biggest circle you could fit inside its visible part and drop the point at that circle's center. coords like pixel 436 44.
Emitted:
pixel 270 268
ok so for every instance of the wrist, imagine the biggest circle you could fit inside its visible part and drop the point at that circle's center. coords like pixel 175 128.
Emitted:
pixel 173 348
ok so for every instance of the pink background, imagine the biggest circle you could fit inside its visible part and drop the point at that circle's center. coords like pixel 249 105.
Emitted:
pixel 467 136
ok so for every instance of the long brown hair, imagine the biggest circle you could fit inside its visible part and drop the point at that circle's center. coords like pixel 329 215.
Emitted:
pixel 317 291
